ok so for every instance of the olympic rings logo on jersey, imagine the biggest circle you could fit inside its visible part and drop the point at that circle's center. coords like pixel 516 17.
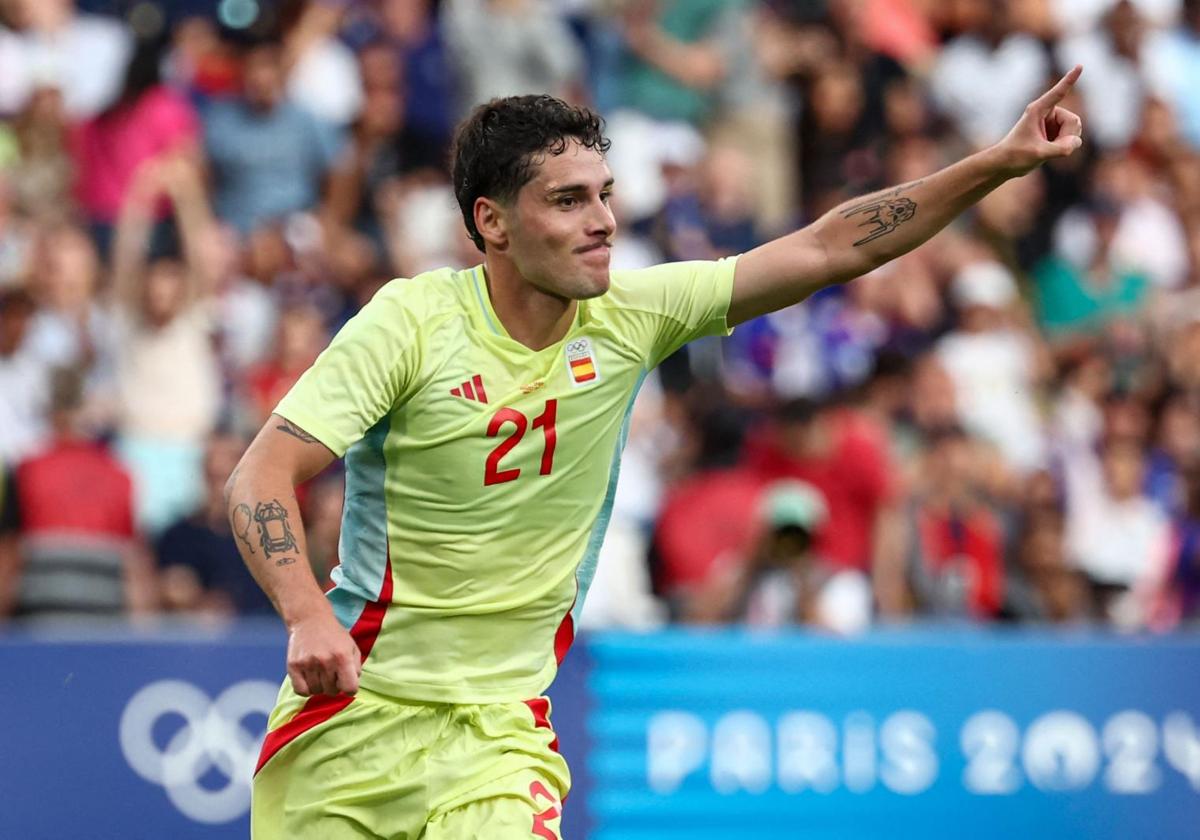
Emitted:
pixel 213 735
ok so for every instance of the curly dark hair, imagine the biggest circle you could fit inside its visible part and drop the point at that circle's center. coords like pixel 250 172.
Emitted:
pixel 498 146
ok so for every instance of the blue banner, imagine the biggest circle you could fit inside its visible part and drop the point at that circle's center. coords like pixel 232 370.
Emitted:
pixel 155 734
pixel 929 734
pixel 921 734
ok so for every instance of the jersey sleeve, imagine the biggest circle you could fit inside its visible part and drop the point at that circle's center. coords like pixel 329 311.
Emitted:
pixel 666 306
pixel 366 370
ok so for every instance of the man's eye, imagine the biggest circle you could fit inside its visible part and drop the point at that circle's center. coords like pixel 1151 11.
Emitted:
pixel 605 196
pixel 567 201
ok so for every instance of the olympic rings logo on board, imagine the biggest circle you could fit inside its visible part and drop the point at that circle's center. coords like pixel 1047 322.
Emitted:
pixel 213 735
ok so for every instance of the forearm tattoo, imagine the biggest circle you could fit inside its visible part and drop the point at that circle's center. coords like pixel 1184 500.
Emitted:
pixel 275 534
pixel 881 215
pixel 285 561
pixel 295 431
pixel 241 525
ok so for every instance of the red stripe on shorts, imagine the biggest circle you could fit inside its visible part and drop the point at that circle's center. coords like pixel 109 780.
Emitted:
pixel 321 707
pixel 540 706
pixel 318 709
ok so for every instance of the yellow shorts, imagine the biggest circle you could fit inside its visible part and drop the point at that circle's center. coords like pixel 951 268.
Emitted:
pixel 370 766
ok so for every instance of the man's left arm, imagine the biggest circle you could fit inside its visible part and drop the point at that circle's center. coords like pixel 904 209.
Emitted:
pixel 864 233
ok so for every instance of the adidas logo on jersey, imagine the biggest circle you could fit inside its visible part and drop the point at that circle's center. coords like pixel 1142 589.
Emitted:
pixel 471 390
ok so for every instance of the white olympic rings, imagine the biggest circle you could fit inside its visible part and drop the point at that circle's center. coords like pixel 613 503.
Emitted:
pixel 213 736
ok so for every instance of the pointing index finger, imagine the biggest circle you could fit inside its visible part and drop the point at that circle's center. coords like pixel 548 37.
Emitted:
pixel 1052 97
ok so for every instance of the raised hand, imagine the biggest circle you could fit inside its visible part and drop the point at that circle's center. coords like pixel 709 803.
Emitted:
pixel 1045 131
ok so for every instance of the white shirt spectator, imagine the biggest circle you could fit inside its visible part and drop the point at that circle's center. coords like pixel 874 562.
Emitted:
pixel 1013 75
pixel 526 48
pixel 168 383
pixel 1075 16
pixel 993 383
pixel 325 82
pixel 24 382
pixel 1112 87
pixel 994 371
pixel 1150 239
pixel 85 60
pixel 1114 541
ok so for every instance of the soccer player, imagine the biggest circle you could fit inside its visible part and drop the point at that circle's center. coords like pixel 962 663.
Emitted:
pixel 481 414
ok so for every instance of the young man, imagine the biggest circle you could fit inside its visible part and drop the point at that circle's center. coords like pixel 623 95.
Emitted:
pixel 481 414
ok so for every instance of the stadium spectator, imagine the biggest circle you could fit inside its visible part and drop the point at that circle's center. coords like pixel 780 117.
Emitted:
pixel 1175 454
pixel 710 510
pixel 73 326
pixel 664 72
pixel 506 47
pixel 1042 586
pixel 1179 598
pixel 168 382
pixel 199 569
pixel 42 177
pixel 840 451
pixel 989 46
pixel 1173 65
pixel 371 159
pixel 1115 91
pixel 1116 535
pixel 24 380
pixel 301 335
pixel 49 44
pixel 954 540
pixel 322 72
pixel 268 156
pixel 782 581
pixel 16 236
pixel 79 553
pixel 1085 292
pixel 147 120
pixel 996 368
pixel 411 27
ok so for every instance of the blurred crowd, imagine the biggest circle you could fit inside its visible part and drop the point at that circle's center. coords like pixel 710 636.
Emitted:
pixel 1003 426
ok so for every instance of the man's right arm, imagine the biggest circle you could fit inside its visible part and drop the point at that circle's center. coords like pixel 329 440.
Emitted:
pixel 260 496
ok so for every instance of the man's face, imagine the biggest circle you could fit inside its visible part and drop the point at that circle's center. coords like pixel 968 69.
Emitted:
pixel 262 77
pixel 559 229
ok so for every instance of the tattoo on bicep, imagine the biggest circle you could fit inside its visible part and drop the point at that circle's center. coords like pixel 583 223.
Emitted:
pixel 241 525
pixel 295 431
pixel 275 534
pixel 285 561
pixel 883 214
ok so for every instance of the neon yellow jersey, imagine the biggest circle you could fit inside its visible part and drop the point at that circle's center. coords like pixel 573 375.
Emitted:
pixel 479 473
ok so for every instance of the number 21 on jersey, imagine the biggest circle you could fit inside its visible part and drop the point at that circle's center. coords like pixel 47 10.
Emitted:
pixel 492 473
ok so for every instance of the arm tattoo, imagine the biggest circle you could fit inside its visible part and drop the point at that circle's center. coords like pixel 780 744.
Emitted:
pixel 883 214
pixel 275 533
pixel 295 431
pixel 241 525
pixel 285 561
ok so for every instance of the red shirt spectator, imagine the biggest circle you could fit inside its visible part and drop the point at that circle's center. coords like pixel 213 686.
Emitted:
pixel 844 455
pixel 958 562
pixel 704 517
pixel 74 508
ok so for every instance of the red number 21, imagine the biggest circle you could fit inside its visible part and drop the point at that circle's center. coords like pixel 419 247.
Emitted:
pixel 492 474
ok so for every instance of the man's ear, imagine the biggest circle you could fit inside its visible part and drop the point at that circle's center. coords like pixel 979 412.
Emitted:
pixel 491 220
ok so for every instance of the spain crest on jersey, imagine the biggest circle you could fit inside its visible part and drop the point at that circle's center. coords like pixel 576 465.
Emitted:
pixel 581 362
